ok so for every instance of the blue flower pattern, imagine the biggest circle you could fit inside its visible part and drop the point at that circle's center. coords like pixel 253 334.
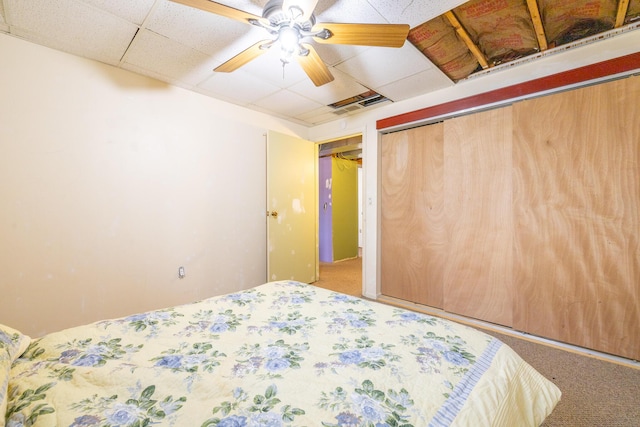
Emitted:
pixel 275 329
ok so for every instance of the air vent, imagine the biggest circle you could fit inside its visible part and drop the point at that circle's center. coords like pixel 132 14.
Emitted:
pixel 357 102
pixel 373 100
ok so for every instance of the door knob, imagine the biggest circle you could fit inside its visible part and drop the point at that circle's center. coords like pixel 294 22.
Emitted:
pixel 273 214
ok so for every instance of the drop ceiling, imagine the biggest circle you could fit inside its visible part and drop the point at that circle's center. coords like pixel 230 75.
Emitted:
pixel 182 45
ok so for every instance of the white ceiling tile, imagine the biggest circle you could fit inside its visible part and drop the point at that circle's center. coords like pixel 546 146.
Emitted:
pixel 417 84
pixel 153 52
pixel 215 35
pixel 379 66
pixel 251 6
pixel 413 12
pixel 348 11
pixel 315 113
pixel 287 103
pixel 268 66
pixel 132 11
pixel 322 118
pixel 242 87
pixel 342 87
pixel 71 26
pixel 335 54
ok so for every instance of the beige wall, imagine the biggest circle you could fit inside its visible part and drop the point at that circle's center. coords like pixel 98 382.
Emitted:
pixel 110 181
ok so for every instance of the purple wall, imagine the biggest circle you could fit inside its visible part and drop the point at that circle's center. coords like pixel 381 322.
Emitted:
pixel 325 222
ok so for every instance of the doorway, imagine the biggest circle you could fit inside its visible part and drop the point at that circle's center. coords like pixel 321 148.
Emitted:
pixel 340 215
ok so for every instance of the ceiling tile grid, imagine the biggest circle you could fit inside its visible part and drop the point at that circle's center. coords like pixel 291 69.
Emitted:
pixel 156 53
pixel 342 87
pixel 182 45
pixel 416 84
pixel 318 115
pixel 72 26
pixel 132 11
pixel 335 54
pixel 413 12
pixel 241 87
pixel 211 34
pixel 360 11
pixel 287 103
pixel 371 66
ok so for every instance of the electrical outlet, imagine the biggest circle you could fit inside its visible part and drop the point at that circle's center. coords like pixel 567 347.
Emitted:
pixel 181 272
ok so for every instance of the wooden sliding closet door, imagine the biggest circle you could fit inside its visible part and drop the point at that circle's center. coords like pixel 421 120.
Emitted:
pixel 478 278
pixel 577 215
pixel 412 223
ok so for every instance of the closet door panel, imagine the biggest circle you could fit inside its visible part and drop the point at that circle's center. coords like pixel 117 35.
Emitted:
pixel 577 216
pixel 412 224
pixel 478 278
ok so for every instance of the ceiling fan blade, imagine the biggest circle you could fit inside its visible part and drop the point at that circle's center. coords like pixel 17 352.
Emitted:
pixel 386 35
pixel 314 67
pixel 307 7
pixel 220 9
pixel 245 56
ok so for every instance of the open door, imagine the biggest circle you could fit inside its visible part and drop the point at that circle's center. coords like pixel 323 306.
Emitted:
pixel 292 209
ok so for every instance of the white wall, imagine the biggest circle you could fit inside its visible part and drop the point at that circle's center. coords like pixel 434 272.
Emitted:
pixel 109 181
pixel 365 123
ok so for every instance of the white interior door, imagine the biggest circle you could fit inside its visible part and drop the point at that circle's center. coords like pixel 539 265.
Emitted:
pixel 292 209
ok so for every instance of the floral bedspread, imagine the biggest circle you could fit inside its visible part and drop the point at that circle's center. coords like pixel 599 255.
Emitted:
pixel 280 354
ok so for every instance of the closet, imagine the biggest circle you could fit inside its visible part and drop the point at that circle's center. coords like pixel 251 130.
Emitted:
pixel 526 216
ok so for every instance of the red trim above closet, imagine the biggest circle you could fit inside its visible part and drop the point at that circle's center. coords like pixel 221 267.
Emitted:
pixel 554 81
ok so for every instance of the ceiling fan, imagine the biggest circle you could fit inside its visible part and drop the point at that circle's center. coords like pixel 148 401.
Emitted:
pixel 291 24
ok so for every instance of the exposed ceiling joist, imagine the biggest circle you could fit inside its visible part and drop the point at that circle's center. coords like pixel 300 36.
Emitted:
pixel 479 36
pixel 464 35
pixel 623 6
pixel 348 147
pixel 534 11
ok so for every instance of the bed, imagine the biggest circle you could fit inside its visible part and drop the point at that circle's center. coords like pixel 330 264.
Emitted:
pixel 280 354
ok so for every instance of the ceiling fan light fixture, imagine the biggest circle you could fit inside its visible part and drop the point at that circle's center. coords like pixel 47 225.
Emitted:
pixel 276 15
pixel 295 12
pixel 292 25
pixel 289 38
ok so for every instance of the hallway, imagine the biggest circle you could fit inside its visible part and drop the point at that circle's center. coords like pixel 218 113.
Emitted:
pixel 342 276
